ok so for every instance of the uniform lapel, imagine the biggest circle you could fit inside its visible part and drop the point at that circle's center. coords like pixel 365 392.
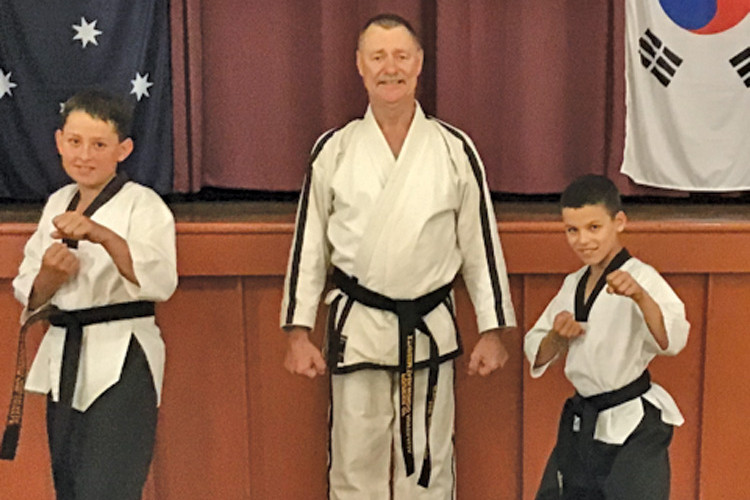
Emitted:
pixel 386 214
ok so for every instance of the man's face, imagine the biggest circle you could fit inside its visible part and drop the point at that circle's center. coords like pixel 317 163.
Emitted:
pixel 389 61
pixel 593 233
pixel 90 150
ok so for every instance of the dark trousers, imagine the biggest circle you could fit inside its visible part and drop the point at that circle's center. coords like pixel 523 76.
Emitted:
pixel 108 448
pixel 636 470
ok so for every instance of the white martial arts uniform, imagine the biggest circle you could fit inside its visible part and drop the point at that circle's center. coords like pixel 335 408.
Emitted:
pixel 616 348
pixel 137 214
pixel 403 227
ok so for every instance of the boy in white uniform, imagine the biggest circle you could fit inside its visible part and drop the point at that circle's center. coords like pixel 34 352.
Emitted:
pixel 611 317
pixel 102 254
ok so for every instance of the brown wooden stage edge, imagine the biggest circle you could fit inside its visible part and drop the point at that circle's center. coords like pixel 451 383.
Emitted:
pixel 235 425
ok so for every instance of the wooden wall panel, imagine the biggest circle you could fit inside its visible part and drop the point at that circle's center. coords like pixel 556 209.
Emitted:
pixel 259 249
pixel 235 425
pixel 488 413
pixel 28 476
pixel 726 402
pixel 710 248
pixel 202 442
pixel 288 414
pixel 13 237
pixel 675 246
pixel 682 377
pixel 543 397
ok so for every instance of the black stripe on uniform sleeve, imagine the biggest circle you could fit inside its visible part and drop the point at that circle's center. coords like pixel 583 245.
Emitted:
pixel 489 250
pixel 301 223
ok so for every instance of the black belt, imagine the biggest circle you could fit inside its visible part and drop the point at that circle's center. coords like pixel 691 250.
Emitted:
pixel 410 315
pixel 73 322
pixel 578 422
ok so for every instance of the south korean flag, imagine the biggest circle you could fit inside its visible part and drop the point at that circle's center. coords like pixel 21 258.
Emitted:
pixel 687 73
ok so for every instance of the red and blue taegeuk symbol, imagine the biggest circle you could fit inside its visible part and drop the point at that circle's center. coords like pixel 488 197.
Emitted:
pixel 706 17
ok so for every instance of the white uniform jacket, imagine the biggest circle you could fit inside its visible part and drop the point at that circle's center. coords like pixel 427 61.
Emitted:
pixel 139 215
pixel 402 227
pixel 616 347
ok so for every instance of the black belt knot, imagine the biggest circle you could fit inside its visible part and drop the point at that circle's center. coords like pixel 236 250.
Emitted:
pixel 73 321
pixel 578 422
pixel 410 315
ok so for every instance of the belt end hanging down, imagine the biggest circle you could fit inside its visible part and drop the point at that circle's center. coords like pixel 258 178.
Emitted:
pixel 424 476
pixel 10 442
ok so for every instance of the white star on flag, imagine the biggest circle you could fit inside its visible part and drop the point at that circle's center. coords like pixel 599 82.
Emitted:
pixel 86 32
pixel 140 86
pixel 5 84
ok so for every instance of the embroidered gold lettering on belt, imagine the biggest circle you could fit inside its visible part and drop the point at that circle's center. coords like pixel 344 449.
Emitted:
pixel 410 315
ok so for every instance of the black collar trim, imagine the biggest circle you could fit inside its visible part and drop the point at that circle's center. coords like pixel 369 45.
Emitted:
pixel 106 194
pixel 583 306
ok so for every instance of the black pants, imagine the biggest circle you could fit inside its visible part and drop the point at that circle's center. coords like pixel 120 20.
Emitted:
pixel 636 470
pixel 108 450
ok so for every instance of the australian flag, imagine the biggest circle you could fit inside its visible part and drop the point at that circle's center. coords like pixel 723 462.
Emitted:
pixel 688 94
pixel 50 49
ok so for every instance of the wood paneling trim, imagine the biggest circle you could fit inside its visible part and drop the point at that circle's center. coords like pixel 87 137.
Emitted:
pixel 261 248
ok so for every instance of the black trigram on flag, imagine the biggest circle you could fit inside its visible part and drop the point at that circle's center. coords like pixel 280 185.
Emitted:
pixel 656 57
pixel 741 63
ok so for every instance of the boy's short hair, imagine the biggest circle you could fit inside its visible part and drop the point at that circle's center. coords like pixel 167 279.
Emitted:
pixel 592 189
pixel 101 105
pixel 389 21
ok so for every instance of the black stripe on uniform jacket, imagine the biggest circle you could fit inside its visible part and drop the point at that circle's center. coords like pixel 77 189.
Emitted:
pixel 301 223
pixel 489 250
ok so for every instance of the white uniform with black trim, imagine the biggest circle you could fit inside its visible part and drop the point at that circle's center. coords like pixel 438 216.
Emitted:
pixel 616 348
pixel 403 227
pixel 138 215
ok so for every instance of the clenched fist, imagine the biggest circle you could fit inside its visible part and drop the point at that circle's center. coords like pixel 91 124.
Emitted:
pixel 60 261
pixel 76 226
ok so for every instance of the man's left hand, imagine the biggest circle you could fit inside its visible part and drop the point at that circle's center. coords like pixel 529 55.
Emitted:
pixel 488 355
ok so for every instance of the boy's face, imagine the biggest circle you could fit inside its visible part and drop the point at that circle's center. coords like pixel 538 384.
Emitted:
pixel 90 150
pixel 593 233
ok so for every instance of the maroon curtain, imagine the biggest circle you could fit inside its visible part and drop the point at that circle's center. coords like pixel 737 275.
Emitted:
pixel 537 84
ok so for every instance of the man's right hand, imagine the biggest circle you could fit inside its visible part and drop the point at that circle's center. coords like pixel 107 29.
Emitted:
pixel 302 357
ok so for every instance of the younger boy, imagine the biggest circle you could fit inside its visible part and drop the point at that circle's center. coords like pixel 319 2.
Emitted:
pixel 615 431
pixel 102 254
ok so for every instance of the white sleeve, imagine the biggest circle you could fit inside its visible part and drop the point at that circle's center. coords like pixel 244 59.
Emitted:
pixel 29 268
pixel 672 310
pixel 309 255
pixel 33 253
pixel 483 267
pixel 541 328
pixel 151 240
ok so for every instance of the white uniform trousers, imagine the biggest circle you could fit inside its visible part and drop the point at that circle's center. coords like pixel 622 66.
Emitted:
pixel 365 439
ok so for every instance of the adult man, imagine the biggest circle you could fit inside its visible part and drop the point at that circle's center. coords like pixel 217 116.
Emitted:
pixel 397 204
